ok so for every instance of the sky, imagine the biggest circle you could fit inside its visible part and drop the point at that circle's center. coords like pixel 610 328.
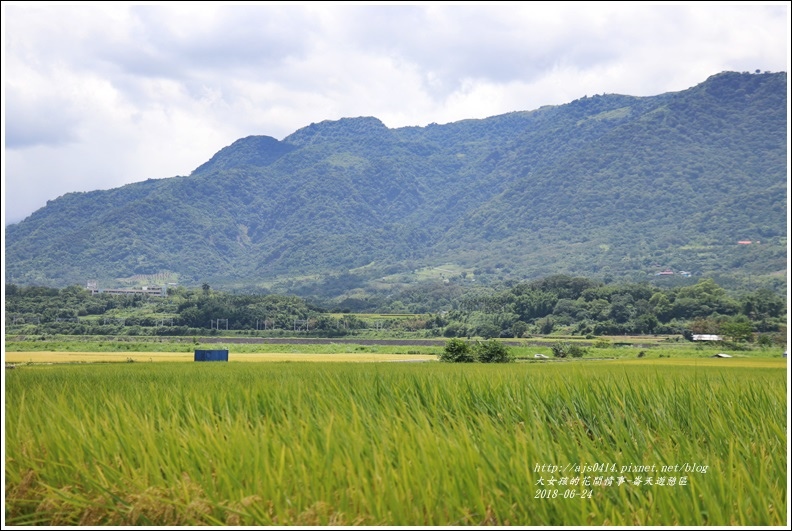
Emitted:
pixel 98 95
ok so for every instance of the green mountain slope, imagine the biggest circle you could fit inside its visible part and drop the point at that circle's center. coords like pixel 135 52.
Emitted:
pixel 608 185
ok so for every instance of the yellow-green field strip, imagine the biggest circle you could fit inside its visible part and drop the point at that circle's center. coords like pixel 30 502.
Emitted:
pixel 362 357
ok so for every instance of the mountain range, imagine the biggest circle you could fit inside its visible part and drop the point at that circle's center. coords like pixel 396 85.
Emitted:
pixel 607 186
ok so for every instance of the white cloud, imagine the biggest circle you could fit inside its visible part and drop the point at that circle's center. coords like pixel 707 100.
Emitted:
pixel 100 95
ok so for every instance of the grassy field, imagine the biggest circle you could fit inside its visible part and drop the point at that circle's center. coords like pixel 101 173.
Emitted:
pixel 635 442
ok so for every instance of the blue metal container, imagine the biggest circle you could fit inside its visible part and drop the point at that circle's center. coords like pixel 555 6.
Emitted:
pixel 211 355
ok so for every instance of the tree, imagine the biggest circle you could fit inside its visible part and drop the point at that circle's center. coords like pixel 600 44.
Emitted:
pixel 737 330
pixel 704 325
pixel 702 299
pixel 764 341
pixel 645 324
pixel 488 330
pixel 519 328
pixel 457 351
pixel 546 325
pixel 455 330
pixel 492 352
pixel 661 306
pixel 532 304
pixel 762 304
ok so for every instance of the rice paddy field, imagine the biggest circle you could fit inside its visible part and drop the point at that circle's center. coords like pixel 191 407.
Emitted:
pixel 588 442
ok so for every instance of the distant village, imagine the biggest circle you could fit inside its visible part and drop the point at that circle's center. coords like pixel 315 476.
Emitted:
pixel 152 291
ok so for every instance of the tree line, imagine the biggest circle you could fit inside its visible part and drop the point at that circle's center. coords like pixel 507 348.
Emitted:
pixel 588 307
pixel 555 304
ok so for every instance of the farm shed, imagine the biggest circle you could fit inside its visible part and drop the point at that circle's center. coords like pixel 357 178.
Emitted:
pixel 707 337
pixel 211 355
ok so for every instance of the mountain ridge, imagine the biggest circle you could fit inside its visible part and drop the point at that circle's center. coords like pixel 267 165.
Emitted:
pixel 558 189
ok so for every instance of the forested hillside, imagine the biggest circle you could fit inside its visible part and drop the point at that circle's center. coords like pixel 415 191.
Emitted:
pixel 609 186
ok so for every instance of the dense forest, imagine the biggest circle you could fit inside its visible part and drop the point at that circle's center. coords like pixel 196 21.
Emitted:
pixel 555 304
pixel 608 186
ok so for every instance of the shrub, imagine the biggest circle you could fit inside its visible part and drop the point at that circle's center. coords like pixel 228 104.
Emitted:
pixel 457 351
pixel 563 349
pixel 602 343
pixel 576 351
pixel 492 352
